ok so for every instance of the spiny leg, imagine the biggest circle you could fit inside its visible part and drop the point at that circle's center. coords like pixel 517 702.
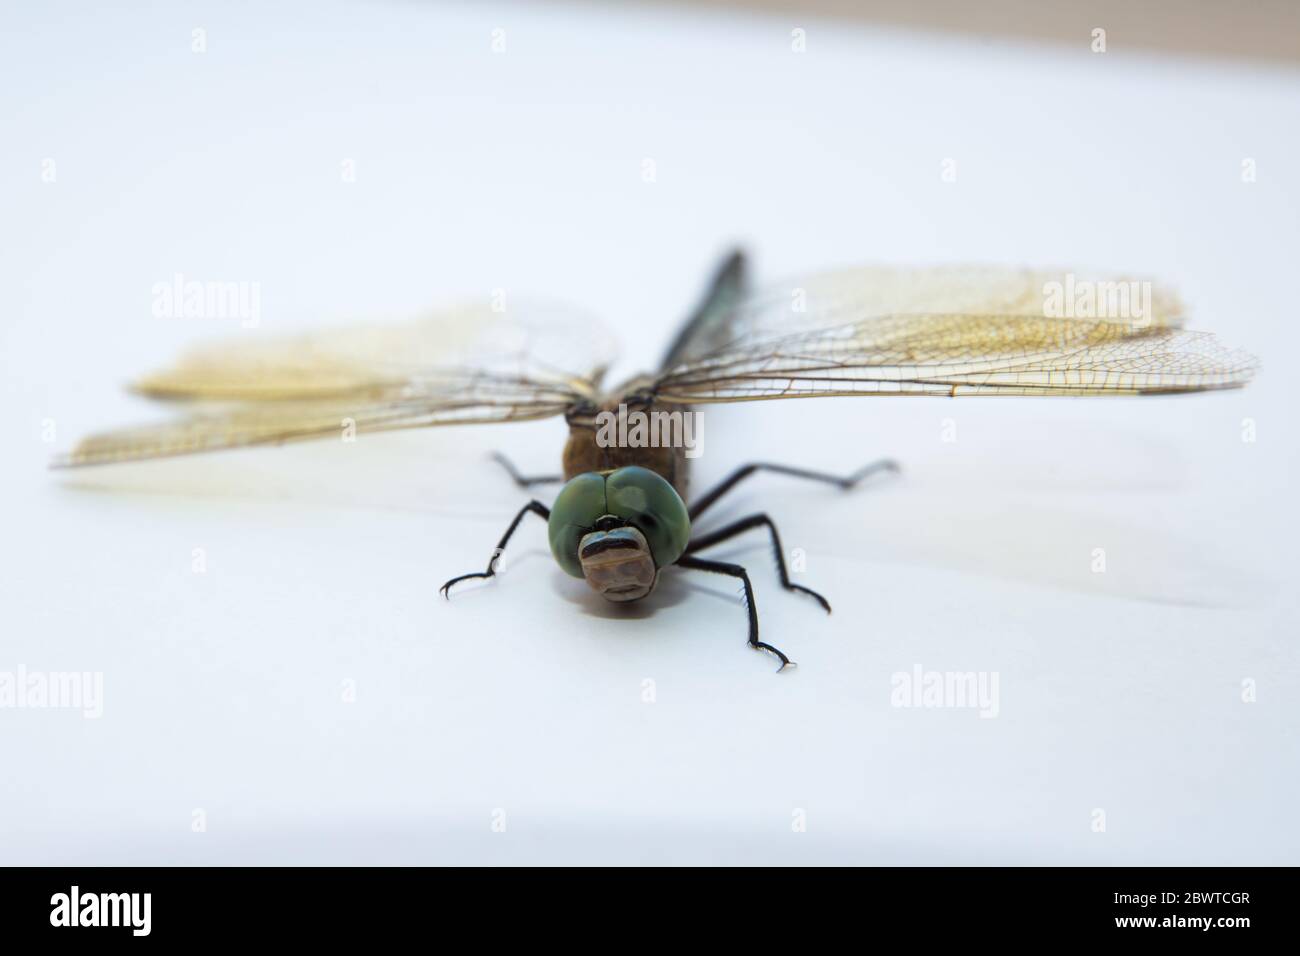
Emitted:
pixel 740 527
pixel 523 481
pixel 537 508
pixel 736 571
pixel 744 471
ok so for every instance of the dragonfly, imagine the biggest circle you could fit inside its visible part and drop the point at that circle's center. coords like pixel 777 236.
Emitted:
pixel 622 515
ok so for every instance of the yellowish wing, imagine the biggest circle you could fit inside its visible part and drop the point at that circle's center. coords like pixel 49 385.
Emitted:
pixel 471 365
pixel 952 332
pixel 816 302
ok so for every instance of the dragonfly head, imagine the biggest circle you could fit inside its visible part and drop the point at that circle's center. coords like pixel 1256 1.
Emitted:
pixel 617 528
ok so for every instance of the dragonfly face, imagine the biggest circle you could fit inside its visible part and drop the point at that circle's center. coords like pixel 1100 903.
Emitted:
pixel 617 562
pixel 617 528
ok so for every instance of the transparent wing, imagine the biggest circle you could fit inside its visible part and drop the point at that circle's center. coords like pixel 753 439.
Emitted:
pixel 834 298
pixel 952 332
pixel 459 367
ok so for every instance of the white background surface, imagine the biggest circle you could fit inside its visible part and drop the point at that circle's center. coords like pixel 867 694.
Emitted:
pixel 522 170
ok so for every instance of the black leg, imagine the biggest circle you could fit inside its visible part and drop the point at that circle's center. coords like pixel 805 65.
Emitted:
pixel 537 508
pixel 521 480
pixel 740 527
pixel 743 472
pixel 736 571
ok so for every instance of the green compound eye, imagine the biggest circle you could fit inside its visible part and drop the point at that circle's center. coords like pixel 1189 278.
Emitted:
pixel 579 505
pixel 635 494
pixel 653 506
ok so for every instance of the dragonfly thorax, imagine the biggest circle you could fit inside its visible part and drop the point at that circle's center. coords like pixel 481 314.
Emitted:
pixel 597 444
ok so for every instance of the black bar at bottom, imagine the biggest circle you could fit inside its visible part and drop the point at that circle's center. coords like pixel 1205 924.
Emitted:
pixel 334 906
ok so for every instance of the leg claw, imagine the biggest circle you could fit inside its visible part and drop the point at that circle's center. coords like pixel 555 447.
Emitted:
pixel 812 594
pixel 785 661
pixel 445 590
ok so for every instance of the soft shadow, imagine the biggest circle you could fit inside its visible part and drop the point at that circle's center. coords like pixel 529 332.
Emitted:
pixel 669 592
pixel 406 477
